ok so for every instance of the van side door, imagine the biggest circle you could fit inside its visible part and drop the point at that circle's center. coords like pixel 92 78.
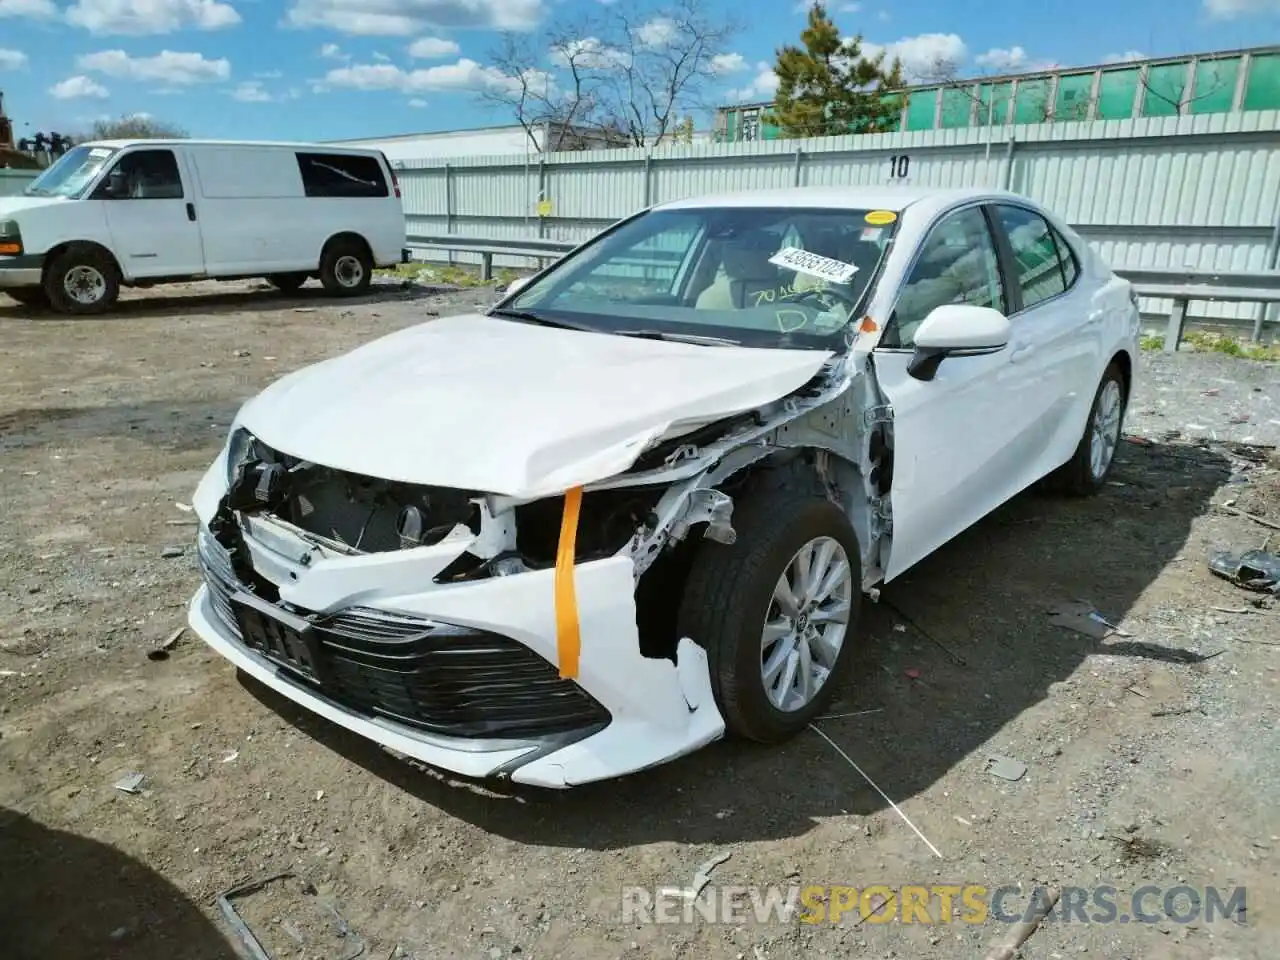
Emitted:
pixel 151 215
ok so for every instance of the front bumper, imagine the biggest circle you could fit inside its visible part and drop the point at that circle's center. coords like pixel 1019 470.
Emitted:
pixel 24 270
pixel 623 713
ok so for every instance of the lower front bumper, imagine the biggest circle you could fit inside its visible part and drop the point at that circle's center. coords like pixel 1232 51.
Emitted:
pixel 658 710
pixel 26 270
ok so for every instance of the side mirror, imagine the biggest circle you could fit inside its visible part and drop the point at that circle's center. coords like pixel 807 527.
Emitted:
pixel 114 186
pixel 956 330
pixel 515 285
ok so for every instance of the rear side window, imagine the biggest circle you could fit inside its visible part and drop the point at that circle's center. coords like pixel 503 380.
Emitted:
pixel 342 175
pixel 1045 264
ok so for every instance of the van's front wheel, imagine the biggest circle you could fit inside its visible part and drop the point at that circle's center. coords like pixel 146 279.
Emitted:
pixel 82 280
pixel 346 269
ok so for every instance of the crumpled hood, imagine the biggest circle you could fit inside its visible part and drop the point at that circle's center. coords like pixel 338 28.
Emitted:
pixel 485 404
pixel 11 205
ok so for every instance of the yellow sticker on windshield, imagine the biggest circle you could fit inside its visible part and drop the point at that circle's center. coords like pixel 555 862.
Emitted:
pixel 880 218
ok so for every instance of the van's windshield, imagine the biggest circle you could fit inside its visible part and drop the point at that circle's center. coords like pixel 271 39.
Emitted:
pixel 72 173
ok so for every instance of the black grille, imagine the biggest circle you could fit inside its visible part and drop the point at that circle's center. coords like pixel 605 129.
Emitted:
pixel 435 677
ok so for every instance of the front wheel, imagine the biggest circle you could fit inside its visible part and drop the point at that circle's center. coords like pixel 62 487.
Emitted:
pixel 82 280
pixel 777 612
pixel 1089 467
pixel 346 269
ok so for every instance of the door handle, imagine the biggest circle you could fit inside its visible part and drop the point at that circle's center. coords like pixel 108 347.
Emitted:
pixel 1020 353
pixel 191 211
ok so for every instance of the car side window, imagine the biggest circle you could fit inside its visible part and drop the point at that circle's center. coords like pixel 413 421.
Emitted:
pixel 1046 266
pixel 145 175
pixel 957 264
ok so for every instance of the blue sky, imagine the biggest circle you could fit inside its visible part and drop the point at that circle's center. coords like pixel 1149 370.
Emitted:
pixel 326 69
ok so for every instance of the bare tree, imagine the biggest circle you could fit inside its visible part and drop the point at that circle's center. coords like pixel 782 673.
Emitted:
pixel 1207 86
pixel 135 126
pixel 626 73
pixel 945 73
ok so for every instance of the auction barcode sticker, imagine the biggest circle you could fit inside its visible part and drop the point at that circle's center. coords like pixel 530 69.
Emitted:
pixel 824 268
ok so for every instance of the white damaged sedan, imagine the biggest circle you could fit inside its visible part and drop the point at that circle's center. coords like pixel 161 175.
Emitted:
pixel 638 503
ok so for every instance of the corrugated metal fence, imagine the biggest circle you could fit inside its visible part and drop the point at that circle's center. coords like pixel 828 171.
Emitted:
pixel 1200 192
pixel 13 181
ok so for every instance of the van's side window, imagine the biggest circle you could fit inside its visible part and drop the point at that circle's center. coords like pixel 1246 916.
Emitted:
pixel 342 175
pixel 145 175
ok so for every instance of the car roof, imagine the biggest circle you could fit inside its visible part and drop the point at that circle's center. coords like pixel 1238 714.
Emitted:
pixel 874 197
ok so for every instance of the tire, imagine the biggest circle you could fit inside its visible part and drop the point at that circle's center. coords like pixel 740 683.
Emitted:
pixel 82 281
pixel 346 268
pixel 33 297
pixel 1083 475
pixel 288 282
pixel 729 598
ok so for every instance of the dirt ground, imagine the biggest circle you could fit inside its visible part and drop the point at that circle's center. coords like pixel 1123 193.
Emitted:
pixel 1152 756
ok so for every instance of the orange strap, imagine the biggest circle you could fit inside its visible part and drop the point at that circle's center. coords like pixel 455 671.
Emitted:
pixel 568 630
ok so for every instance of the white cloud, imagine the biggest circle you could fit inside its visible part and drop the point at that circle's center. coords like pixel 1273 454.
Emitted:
pixel 1230 9
pixel 920 55
pixel 381 57
pixel 331 51
pixel 12 59
pixel 269 75
pixel 1126 57
pixel 417 103
pixel 883 16
pixel 728 63
pixel 167 67
pixel 28 9
pixel 658 32
pixel 251 91
pixel 465 74
pixel 402 18
pixel 428 48
pixel 589 53
pixel 762 87
pixel 1005 61
pixel 146 17
pixel 74 88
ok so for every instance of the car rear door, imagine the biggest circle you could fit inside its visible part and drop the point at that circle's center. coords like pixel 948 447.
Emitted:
pixel 151 213
pixel 960 440
pixel 1057 324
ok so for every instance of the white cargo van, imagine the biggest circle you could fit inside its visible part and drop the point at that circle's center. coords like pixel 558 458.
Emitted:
pixel 138 213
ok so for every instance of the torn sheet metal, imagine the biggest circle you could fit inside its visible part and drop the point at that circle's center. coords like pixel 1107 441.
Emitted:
pixel 1081 617
pixel 1253 569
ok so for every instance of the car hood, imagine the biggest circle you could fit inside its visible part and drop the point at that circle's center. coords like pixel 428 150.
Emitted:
pixel 480 403
pixel 12 205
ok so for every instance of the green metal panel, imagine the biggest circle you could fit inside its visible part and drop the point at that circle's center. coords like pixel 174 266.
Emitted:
pixel 957 105
pixel 997 112
pixel 1116 91
pixel 1215 85
pixel 920 109
pixel 731 126
pixel 896 100
pixel 1263 92
pixel 1032 101
pixel 1165 84
pixel 1074 91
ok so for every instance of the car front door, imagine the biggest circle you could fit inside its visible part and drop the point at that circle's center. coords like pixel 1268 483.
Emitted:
pixel 151 214
pixel 1058 327
pixel 961 439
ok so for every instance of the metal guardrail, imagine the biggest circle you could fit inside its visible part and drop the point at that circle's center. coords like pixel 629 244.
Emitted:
pixel 1181 286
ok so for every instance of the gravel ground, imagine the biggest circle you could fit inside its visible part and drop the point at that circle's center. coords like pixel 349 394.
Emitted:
pixel 1152 756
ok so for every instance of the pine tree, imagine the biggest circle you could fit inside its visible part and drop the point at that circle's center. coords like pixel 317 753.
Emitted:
pixel 829 87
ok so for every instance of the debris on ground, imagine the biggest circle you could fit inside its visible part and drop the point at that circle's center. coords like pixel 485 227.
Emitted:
pixel 1253 569
pixel 170 553
pixel 1006 768
pixel 161 650
pixel 1082 617
pixel 701 877
pixel 1045 901
pixel 130 783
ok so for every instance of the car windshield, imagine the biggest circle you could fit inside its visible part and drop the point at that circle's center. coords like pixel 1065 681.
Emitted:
pixel 756 276
pixel 71 174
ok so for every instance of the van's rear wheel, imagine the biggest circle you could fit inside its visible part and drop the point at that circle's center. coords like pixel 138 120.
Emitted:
pixel 346 269
pixel 82 280
pixel 287 282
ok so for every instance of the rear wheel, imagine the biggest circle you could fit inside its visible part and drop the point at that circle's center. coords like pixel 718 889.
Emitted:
pixel 777 611
pixel 30 297
pixel 1089 467
pixel 287 282
pixel 82 280
pixel 346 269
